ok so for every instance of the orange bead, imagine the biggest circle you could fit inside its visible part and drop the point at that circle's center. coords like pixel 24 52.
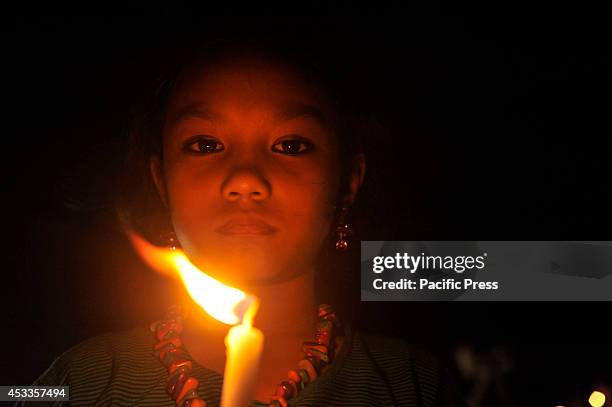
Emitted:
pixel 177 372
pixel 315 350
pixel 293 375
pixel 287 389
pixel 322 338
pixel 324 309
pixel 166 329
pixel 190 384
pixel 169 355
pixel 176 341
pixel 178 363
pixel 280 391
pixel 314 346
pixel 309 368
pixel 177 388
pixel 175 383
pixel 294 387
pixel 190 395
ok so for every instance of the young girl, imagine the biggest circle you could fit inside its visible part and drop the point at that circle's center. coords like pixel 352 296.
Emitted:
pixel 250 155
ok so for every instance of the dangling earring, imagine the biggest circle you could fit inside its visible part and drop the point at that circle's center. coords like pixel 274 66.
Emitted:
pixel 170 240
pixel 343 230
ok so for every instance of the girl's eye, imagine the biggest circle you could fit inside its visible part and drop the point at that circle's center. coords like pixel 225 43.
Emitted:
pixel 202 145
pixel 293 146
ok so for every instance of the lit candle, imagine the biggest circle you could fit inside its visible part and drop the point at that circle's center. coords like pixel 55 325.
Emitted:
pixel 244 344
pixel 229 305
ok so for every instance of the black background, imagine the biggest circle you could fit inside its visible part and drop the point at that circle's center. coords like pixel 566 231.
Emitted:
pixel 498 123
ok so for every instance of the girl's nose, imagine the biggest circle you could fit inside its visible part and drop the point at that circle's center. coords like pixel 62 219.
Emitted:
pixel 245 185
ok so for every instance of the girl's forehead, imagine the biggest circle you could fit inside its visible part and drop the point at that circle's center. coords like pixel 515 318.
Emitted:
pixel 243 81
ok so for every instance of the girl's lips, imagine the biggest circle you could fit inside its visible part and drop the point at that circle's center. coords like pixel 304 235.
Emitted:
pixel 246 226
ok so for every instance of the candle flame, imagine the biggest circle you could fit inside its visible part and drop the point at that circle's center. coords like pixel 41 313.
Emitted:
pixel 224 303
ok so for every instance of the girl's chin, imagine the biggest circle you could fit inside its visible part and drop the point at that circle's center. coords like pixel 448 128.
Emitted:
pixel 241 273
pixel 251 281
pixel 243 266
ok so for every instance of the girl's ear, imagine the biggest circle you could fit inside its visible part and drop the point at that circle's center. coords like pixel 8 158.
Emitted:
pixel 356 176
pixel 158 178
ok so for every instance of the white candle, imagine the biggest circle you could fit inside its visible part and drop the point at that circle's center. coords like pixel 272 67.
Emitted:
pixel 244 344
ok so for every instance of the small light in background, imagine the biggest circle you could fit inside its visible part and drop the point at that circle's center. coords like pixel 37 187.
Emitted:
pixel 597 399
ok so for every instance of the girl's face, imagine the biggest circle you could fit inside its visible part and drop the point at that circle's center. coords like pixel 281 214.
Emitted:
pixel 250 170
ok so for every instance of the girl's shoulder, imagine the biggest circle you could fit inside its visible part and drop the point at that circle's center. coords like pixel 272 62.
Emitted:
pixel 111 367
pixel 409 374
pixel 99 353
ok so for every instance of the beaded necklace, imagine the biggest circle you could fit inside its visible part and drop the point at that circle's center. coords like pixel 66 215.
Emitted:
pixel 318 355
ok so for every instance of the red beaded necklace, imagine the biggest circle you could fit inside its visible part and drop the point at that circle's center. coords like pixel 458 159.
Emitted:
pixel 318 355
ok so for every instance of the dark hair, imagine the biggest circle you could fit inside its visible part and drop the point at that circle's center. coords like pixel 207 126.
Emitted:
pixel 139 203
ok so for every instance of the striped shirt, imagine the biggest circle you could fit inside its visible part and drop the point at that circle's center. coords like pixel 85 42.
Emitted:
pixel 120 369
